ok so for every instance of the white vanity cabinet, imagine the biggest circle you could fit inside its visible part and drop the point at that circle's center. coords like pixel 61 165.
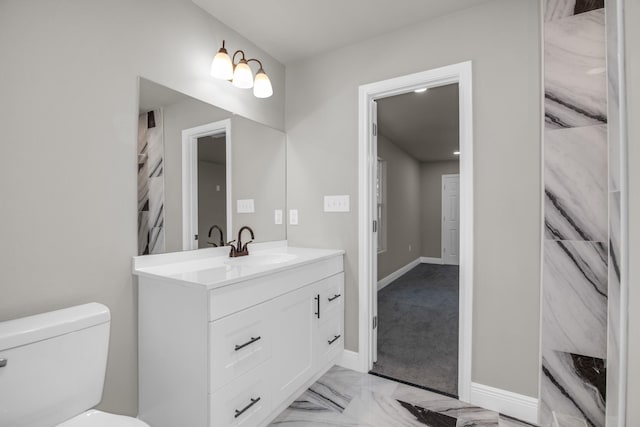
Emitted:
pixel 238 354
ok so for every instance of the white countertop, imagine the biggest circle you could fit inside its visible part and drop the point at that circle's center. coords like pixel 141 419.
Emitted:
pixel 212 268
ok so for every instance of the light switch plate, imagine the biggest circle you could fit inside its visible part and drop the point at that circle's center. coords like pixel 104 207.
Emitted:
pixel 246 206
pixel 336 204
pixel 293 216
pixel 278 216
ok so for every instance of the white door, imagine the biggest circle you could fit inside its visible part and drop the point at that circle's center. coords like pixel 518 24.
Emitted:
pixel 374 237
pixel 451 219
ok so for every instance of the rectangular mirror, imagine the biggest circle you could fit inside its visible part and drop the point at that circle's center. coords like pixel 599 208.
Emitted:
pixel 203 173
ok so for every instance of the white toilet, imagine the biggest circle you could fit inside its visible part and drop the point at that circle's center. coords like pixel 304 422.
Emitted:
pixel 52 368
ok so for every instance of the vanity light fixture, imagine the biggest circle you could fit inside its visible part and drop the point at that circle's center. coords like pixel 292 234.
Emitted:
pixel 240 74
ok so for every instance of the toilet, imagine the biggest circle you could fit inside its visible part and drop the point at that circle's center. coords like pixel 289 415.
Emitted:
pixel 52 368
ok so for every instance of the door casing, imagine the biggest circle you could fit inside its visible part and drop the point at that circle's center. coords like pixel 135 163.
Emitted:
pixel 367 154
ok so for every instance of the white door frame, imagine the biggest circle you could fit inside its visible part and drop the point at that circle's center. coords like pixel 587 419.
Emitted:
pixel 458 73
pixel 190 178
pixel 442 207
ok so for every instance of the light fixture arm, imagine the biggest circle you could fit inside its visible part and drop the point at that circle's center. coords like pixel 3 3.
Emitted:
pixel 256 60
pixel 233 58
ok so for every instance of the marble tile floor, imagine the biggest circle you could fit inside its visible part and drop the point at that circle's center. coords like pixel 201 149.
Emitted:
pixel 352 399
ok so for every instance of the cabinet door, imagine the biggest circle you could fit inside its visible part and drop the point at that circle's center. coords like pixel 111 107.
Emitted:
pixel 295 324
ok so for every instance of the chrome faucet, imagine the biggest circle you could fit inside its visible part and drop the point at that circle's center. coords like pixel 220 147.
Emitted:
pixel 239 249
pixel 216 227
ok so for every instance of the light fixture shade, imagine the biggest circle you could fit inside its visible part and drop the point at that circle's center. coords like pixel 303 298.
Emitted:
pixel 262 86
pixel 221 67
pixel 242 75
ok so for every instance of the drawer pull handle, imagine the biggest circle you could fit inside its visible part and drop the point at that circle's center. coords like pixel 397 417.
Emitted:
pixel 246 408
pixel 3 363
pixel 251 341
pixel 317 313
pixel 335 297
pixel 335 338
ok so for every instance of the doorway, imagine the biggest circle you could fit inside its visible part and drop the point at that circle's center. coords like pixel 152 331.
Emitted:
pixel 369 227
pixel 206 185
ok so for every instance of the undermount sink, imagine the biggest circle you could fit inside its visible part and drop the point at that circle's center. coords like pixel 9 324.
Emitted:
pixel 257 260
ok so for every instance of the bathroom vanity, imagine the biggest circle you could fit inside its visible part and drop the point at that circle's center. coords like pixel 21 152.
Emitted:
pixel 233 341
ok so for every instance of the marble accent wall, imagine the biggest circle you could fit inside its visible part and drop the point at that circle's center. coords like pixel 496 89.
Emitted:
pixel 576 261
pixel 151 183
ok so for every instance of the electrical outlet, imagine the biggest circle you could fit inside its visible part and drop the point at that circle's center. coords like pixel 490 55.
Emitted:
pixel 278 216
pixel 293 216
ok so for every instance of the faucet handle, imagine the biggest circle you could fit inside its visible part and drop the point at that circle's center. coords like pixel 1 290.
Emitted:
pixel 244 247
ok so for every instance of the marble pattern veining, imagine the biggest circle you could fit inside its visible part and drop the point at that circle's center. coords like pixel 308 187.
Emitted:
pixel 613 95
pixel 558 9
pixel 575 71
pixel 572 386
pixel 575 272
pixel 575 175
pixel 151 183
pixel 347 398
pixel 613 344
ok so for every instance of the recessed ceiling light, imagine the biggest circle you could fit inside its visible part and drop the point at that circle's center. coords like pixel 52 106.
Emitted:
pixel 456 153
pixel 424 89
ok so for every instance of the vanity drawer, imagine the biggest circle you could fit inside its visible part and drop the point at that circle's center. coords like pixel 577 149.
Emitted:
pixel 245 402
pixel 239 343
pixel 330 340
pixel 231 299
pixel 332 298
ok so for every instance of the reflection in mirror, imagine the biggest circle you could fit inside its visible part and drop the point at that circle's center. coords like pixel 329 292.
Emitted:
pixel 203 173
pixel 206 184
pixel 212 190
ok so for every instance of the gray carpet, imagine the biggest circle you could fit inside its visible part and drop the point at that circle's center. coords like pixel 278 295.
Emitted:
pixel 418 328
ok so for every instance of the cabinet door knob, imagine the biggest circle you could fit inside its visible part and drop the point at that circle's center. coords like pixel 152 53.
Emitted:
pixel 251 341
pixel 246 408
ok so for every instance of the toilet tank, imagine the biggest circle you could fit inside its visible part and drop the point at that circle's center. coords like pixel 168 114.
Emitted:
pixel 55 365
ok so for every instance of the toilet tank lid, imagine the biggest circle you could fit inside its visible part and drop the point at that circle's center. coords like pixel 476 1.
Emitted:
pixel 26 330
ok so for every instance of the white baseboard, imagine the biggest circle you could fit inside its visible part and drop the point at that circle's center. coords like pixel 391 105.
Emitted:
pixel 349 360
pixel 430 260
pixel 399 272
pixel 512 404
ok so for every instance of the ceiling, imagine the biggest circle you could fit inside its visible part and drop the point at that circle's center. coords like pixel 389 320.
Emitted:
pixel 291 30
pixel 212 149
pixel 424 125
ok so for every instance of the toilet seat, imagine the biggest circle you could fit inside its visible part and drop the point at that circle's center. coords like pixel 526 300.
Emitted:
pixel 94 418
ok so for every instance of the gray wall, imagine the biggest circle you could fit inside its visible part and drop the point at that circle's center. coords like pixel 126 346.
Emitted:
pixel 212 203
pixel 502 38
pixel 258 158
pixel 431 204
pixel 68 126
pixel 402 208
pixel 632 17
pixel 177 117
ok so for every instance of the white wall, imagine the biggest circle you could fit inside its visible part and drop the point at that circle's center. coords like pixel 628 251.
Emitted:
pixel 502 38
pixel 431 204
pixel 632 17
pixel 402 208
pixel 68 126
